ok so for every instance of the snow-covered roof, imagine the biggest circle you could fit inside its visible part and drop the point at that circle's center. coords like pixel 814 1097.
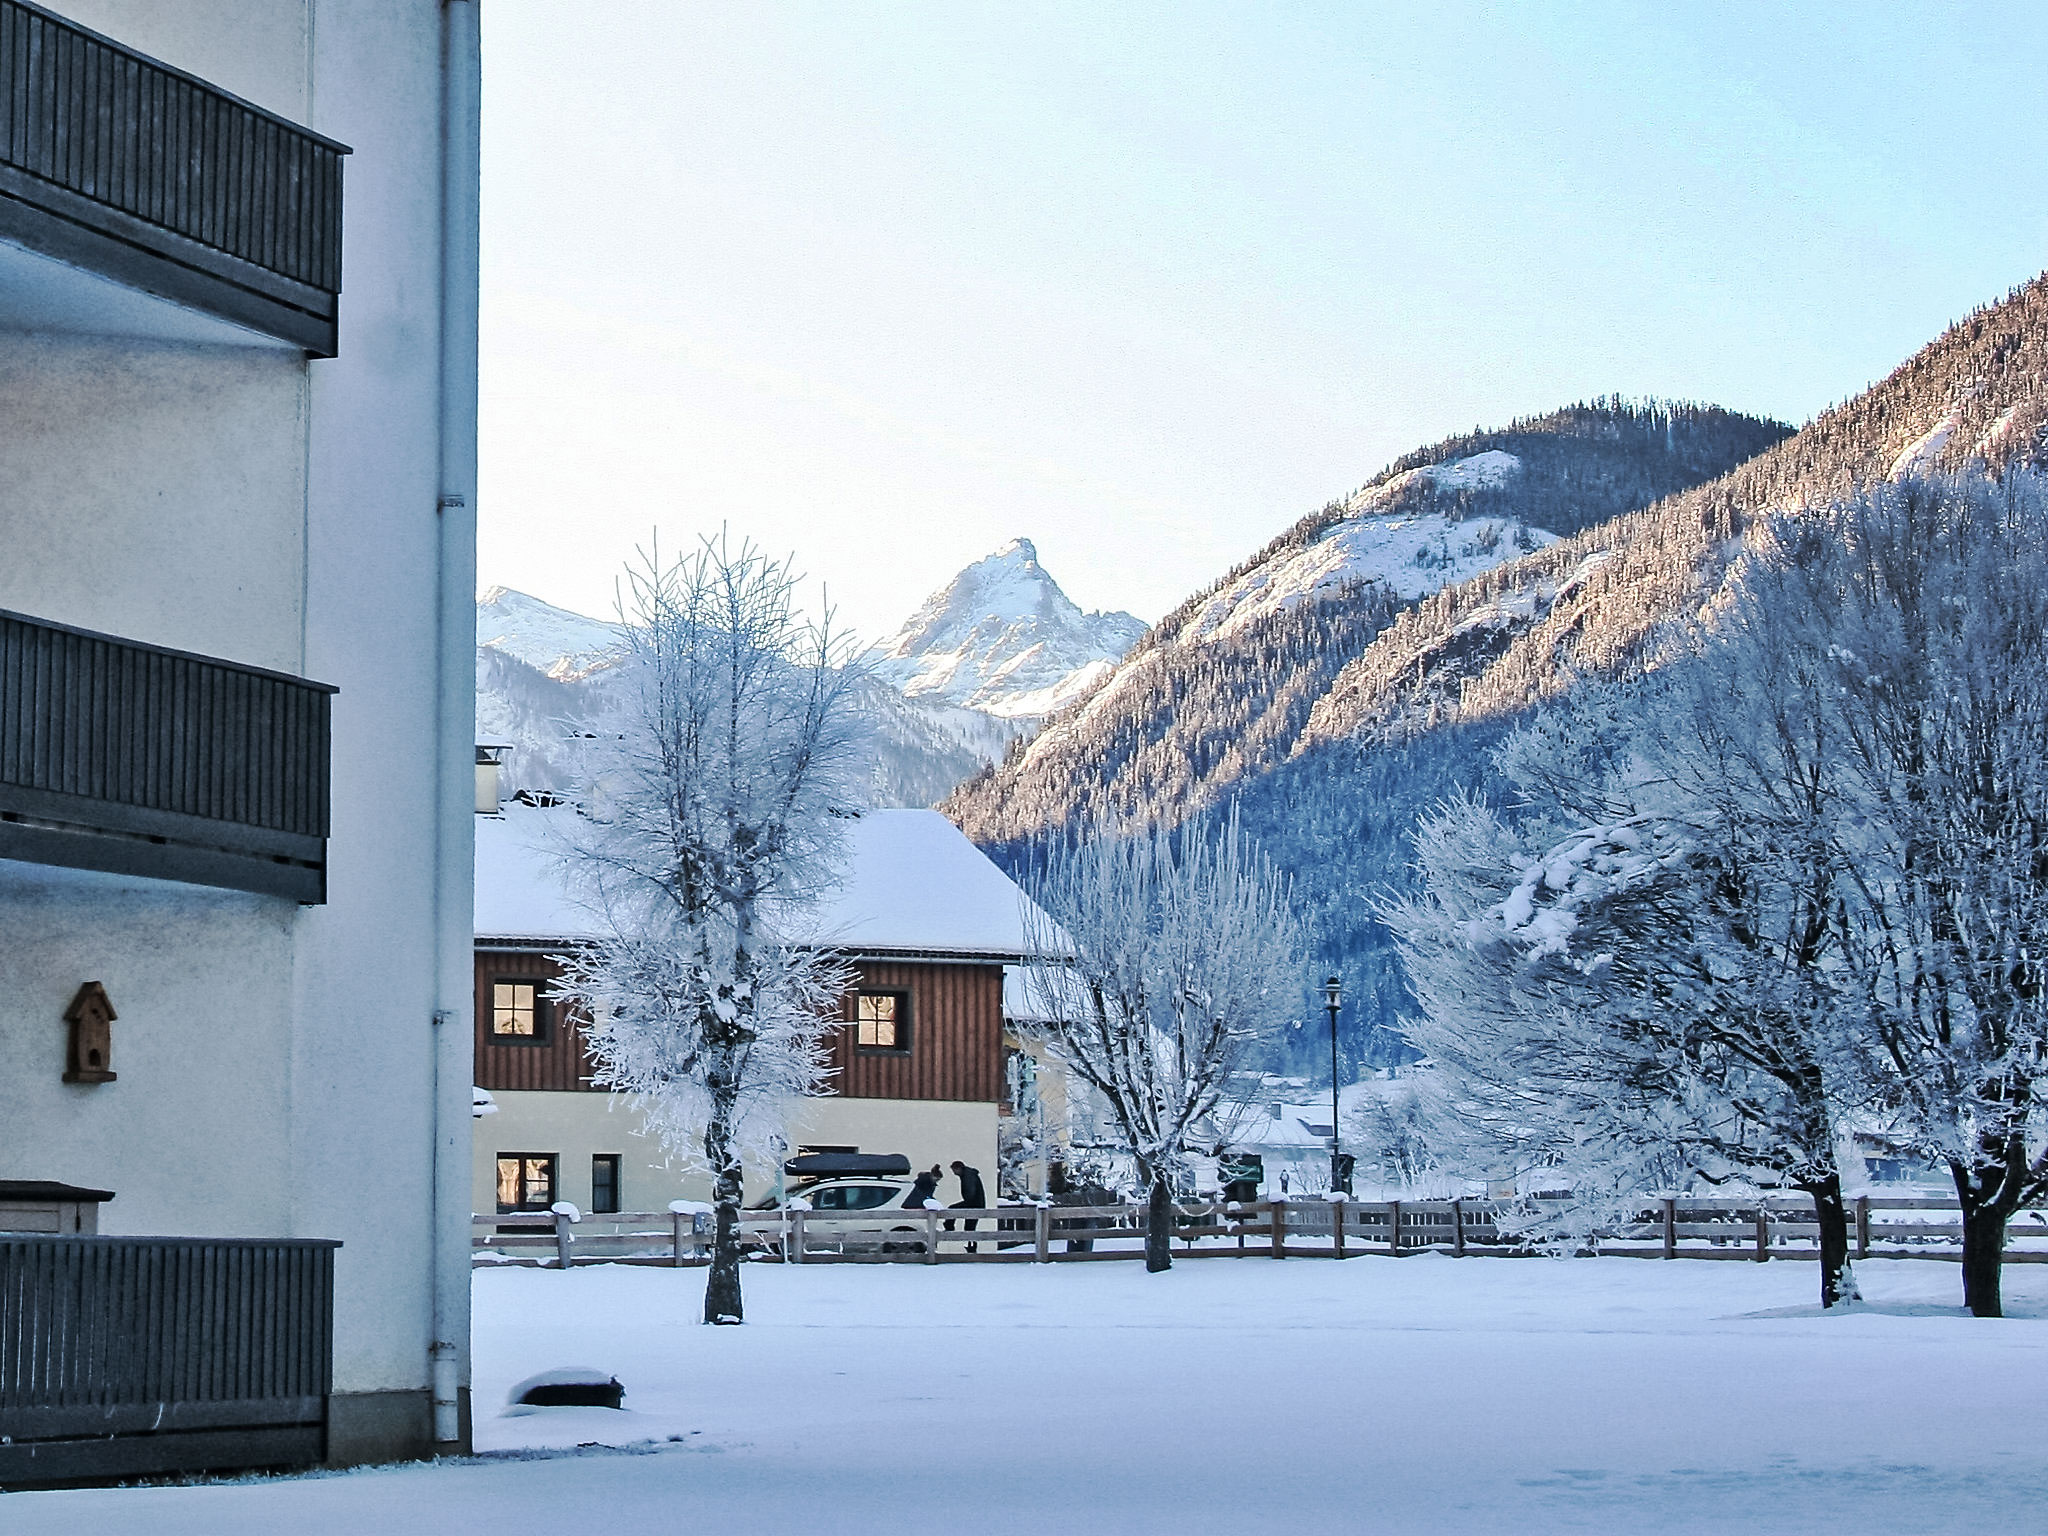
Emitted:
pixel 913 884
pixel 1042 994
pixel 1275 1127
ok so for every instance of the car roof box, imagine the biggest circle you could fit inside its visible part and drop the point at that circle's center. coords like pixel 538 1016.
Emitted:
pixel 840 1165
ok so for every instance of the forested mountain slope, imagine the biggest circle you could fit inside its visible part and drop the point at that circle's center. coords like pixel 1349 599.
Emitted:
pixel 1223 687
pixel 1404 703
pixel 1587 605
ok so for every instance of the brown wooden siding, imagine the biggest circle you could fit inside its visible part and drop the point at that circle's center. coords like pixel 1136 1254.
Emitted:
pixel 956 1035
pixel 557 1065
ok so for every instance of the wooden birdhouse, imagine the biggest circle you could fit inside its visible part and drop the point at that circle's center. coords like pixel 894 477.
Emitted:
pixel 91 1018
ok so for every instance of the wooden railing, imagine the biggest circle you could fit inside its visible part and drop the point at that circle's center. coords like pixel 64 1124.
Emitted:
pixel 136 1356
pixel 157 178
pixel 1681 1228
pixel 127 757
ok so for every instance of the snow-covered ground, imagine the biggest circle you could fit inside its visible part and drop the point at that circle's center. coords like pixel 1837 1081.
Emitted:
pixel 1426 1394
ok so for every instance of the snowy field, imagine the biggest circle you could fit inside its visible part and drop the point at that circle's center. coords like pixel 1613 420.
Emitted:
pixel 1426 1394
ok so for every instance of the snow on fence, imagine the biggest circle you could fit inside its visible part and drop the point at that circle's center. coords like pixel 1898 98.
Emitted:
pixel 1681 1228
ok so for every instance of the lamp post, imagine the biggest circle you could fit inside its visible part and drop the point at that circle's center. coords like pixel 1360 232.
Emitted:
pixel 1333 999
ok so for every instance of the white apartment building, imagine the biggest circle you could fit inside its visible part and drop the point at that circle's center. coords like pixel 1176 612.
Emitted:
pixel 237 459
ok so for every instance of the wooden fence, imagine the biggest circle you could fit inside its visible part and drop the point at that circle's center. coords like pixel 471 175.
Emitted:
pixel 1681 1228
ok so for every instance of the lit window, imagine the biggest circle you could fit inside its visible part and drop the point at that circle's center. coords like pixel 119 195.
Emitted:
pixel 882 1020
pixel 526 1181
pixel 518 1012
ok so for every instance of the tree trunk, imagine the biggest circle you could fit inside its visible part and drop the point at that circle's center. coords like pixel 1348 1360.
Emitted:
pixel 722 1290
pixel 1831 1212
pixel 1159 1226
pixel 1983 1257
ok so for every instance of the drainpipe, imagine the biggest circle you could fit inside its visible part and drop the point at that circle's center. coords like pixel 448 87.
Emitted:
pixel 455 714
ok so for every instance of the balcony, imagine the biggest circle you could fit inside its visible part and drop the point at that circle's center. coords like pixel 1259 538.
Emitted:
pixel 136 760
pixel 117 169
pixel 126 1357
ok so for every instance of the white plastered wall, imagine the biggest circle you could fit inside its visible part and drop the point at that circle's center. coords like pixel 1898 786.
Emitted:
pixel 156 492
pixel 577 1126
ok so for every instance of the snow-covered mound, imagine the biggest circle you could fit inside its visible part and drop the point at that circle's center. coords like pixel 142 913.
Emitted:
pixel 1002 638
pixel 1412 555
pixel 551 640
pixel 1488 471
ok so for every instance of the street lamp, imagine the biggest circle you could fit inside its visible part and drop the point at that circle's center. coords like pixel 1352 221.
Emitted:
pixel 1333 999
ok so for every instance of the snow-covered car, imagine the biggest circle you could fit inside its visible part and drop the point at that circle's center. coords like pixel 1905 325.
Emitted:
pixel 843 1183
pixel 840 1199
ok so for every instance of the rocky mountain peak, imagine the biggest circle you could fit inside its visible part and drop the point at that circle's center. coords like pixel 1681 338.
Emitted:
pixel 1002 638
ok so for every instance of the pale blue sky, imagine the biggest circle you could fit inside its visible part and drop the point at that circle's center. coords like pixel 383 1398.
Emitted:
pixel 888 284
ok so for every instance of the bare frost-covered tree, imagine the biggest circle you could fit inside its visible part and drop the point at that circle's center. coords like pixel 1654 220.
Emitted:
pixel 1616 1010
pixel 1926 604
pixel 1185 951
pixel 1639 980
pixel 714 818
pixel 1808 880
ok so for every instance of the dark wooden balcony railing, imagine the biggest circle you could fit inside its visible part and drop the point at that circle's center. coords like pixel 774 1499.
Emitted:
pixel 143 173
pixel 130 758
pixel 136 1356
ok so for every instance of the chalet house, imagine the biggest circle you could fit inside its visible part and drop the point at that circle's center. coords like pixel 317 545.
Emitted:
pixel 237 380
pixel 918 1065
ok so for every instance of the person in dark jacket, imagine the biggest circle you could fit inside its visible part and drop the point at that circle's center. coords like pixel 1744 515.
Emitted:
pixel 972 1197
pixel 925 1188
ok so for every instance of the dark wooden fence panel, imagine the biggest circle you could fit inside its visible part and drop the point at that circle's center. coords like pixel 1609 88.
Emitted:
pixel 102 139
pixel 163 762
pixel 123 1356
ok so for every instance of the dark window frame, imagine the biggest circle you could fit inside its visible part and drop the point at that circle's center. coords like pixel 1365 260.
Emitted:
pixel 543 1012
pixel 615 1162
pixel 526 1202
pixel 905 1038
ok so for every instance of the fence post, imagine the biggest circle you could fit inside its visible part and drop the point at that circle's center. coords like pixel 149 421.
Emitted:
pixel 1670 1228
pixel 931 1237
pixel 793 1243
pixel 562 1240
pixel 1337 1224
pixel 1457 1229
pixel 1043 1230
pixel 1863 1226
pixel 1279 1229
pixel 676 1220
pixel 1763 1231
pixel 1393 1226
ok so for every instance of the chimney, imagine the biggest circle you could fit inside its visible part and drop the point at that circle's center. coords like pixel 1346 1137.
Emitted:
pixel 490 757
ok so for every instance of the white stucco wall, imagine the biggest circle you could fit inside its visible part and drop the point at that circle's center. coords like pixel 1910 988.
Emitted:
pixel 261 50
pixel 157 492
pixel 577 1126
pixel 191 1136
pixel 275 1063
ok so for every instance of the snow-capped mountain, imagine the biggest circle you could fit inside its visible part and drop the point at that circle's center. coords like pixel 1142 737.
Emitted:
pixel 1003 639
pixel 999 648
pixel 551 640
pixel 1223 687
